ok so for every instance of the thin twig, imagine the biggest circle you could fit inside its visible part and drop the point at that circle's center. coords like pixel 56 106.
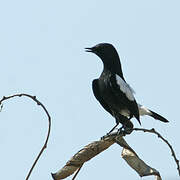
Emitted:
pixel 166 141
pixel 49 126
pixel 77 172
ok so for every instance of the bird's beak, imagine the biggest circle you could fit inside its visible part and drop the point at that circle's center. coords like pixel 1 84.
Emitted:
pixel 89 49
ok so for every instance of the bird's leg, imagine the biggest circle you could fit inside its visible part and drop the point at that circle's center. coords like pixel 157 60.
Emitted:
pixel 121 130
pixel 113 128
pixel 127 128
pixel 127 125
pixel 119 119
pixel 117 123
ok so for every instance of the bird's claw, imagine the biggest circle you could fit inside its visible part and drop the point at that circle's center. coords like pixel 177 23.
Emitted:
pixel 121 131
pixel 108 134
pixel 124 130
pixel 103 137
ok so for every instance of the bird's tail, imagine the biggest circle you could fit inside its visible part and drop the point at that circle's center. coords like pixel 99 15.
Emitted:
pixel 158 117
pixel 144 111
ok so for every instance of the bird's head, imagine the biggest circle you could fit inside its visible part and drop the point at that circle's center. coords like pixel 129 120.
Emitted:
pixel 104 50
pixel 108 55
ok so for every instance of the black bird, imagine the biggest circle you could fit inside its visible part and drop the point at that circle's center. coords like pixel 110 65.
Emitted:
pixel 112 91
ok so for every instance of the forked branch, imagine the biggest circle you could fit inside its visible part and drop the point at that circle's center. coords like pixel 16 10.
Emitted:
pixel 96 147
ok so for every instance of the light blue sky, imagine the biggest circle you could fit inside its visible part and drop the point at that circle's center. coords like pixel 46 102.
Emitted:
pixel 42 53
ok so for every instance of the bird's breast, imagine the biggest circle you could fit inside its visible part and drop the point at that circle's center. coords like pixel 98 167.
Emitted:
pixel 104 87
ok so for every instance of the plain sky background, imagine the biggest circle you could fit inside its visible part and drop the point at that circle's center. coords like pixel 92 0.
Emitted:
pixel 42 53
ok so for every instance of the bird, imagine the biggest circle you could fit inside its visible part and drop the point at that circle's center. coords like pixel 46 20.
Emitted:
pixel 113 92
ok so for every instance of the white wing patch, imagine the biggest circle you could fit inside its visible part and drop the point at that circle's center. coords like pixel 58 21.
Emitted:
pixel 125 88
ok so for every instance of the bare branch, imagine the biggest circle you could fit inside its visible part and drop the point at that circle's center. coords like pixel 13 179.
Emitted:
pixel 130 156
pixel 165 140
pixel 94 148
pixel 82 156
pixel 49 126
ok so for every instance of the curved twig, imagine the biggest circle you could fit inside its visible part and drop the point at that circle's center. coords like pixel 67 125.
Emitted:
pixel 165 140
pixel 77 172
pixel 49 126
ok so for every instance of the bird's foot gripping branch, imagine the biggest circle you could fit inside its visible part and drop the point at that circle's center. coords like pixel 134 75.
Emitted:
pixel 123 131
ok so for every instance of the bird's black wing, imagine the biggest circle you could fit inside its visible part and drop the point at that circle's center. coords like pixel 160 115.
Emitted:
pixel 97 94
pixel 124 94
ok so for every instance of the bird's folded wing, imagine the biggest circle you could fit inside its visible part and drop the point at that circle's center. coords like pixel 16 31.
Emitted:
pixel 124 95
pixel 97 94
pixel 122 87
